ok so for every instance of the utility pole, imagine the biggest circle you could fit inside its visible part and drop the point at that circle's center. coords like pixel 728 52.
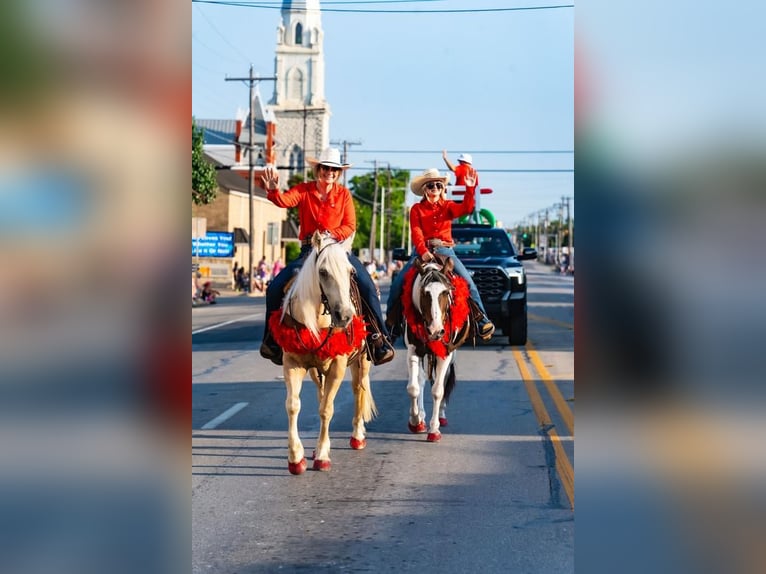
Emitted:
pixel 570 234
pixel 251 172
pixel 345 144
pixel 373 221
pixel 305 117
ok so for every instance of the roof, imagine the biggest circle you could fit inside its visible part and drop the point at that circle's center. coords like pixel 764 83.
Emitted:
pixel 223 132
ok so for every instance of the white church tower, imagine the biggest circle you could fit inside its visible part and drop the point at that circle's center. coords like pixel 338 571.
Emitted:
pixel 299 106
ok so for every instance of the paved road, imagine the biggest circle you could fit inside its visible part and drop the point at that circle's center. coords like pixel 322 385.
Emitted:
pixel 495 495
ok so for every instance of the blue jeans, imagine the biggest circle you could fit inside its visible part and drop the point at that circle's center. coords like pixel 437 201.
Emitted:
pixel 396 285
pixel 367 290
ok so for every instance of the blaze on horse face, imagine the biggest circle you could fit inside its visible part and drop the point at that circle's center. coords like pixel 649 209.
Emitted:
pixel 434 297
pixel 335 281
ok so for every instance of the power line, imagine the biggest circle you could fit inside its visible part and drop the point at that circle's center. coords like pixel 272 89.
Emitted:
pixel 244 4
pixel 483 170
pixel 497 152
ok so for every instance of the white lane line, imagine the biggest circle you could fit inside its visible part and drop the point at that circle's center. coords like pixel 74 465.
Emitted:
pixel 227 414
pixel 211 327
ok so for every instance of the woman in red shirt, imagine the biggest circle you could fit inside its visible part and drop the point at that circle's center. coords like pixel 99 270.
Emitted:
pixel 431 231
pixel 323 205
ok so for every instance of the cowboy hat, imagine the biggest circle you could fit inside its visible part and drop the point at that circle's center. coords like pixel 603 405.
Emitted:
pixel 330 157
pixel 431 174
pixel 465 158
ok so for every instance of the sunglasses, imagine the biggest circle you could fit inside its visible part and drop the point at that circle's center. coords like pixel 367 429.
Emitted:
pixel 434 185
pixel 328 168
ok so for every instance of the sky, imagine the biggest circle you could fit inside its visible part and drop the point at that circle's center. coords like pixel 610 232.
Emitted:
pixel 496 84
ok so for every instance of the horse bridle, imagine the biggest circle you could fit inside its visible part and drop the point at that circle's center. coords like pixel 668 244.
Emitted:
pixel 325 309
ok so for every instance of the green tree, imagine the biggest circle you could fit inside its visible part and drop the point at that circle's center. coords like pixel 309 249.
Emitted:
pixel 204 184
pixel 363 189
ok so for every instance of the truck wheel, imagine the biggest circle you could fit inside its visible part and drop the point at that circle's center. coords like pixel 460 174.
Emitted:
pixel 518 329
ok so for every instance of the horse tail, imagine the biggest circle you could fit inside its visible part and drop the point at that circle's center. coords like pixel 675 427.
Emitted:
pixel 369 409
pixel 450 382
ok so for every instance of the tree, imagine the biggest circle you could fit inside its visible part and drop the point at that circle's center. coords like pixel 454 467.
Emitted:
pixel 362 188
pixel 204 184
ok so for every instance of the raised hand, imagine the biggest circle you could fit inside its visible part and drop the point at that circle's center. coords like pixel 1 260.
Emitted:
pixel 270 178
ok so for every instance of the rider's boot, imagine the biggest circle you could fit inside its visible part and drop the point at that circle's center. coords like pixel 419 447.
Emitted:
pixel 394 320
pixel 380 349
pixel 269 348
pixel 484 327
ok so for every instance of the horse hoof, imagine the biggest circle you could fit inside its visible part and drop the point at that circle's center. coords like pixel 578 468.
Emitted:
pixel 358 444
pixel 297 467
pixel 434 437
pixel 442 422
pixel 419 428
pixel 321 464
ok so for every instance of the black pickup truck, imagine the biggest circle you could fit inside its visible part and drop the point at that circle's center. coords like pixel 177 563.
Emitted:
pixel 488 254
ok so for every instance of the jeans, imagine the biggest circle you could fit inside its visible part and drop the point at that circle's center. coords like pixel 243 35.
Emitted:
pixel 396 285
pixel 367 290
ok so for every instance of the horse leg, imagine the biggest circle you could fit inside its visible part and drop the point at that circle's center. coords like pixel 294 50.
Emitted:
pixel 437 394
pixel 416 422
pixel 332 381
pixel 364 404
pixel 296 462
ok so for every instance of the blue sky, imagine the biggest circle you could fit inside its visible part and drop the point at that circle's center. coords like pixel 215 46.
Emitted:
pixel 408 85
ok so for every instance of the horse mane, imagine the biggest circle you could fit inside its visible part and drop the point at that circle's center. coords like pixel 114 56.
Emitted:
pixel 304 299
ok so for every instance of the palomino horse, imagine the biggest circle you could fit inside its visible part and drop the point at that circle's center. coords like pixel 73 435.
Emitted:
pixel 321 332
pixel 436 313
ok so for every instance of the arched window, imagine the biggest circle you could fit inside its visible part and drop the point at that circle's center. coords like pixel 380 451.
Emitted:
pixel 296 159
pixel 295 84
pixel 298 34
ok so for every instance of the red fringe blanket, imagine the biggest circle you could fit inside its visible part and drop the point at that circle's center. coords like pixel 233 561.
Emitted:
pixel 459 311
pixel 301 342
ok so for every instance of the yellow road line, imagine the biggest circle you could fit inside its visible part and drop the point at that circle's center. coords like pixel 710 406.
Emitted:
pixel 541 319
pixel 558 399
pixel 563 465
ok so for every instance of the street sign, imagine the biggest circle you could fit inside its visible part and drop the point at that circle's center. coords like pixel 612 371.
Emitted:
pixel 214 244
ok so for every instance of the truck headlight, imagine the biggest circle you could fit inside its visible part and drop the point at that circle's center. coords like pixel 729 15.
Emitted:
pixel 516 273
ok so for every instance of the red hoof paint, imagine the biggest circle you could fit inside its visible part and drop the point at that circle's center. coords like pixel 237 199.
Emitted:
pixel 442 422
pixel 321 464
pixel 297 467
pixel 420 427
pixel 358 444
pixel 434 437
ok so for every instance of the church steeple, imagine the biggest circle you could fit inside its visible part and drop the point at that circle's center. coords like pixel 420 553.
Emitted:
pixel 299 61
pixel 299 105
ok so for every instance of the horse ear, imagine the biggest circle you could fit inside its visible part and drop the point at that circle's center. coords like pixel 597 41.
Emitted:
pixel 419 265
pixel 449 265
pixel 316 240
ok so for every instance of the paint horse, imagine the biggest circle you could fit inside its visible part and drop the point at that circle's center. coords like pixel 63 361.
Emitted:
pixel 321 332
pixel 436 311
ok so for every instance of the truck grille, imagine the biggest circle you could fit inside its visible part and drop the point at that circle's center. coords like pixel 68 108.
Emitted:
pixel 491 283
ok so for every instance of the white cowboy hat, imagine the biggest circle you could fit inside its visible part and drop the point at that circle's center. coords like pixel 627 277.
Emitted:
pixel 431 174
pixel 465 158
pixel 329 156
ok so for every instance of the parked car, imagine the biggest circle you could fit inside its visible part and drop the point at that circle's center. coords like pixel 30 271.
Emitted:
pixel 488 254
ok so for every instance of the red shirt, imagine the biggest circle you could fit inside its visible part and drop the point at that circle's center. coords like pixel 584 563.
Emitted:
pixel 335 214
pixel 434 220
pixel 462 170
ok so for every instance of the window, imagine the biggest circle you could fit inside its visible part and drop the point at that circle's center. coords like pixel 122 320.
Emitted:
pixel 298 34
